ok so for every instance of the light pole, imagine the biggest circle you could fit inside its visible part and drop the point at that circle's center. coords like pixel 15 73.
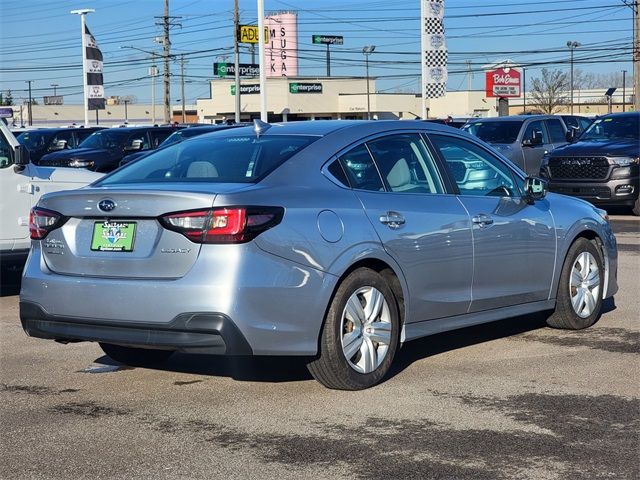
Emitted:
pixel 366 51
pixel 55 86
pixel 572 46
pixel 624 90
pixel 83 13
pixel 153 72
pixel 126 115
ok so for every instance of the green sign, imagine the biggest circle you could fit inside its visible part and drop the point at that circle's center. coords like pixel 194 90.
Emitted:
pixel 113 236
pixel 327 39
pixel 305 87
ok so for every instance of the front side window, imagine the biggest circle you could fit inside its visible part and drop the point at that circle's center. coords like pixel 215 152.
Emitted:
pixel 556 132
pixel 476 171
pixel 405 164
pixel 360 169
pixel 66 135
pixel 536 128
pixel 237 159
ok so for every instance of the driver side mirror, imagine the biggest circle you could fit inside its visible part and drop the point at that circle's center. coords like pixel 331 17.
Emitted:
pixel 60 145
pixel 535 188
pixel 535 140
pixel 22 156
pixel 571 134
pixel 135 145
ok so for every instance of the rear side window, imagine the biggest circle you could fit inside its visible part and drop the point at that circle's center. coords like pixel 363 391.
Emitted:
pixel 6 154
pixel 360 169
pixel 237 159
pixel 556 132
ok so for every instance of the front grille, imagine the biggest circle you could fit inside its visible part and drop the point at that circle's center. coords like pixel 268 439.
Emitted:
pixel 591 168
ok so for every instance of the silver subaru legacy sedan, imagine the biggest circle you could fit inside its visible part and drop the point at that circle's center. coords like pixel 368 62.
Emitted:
pixel 333 240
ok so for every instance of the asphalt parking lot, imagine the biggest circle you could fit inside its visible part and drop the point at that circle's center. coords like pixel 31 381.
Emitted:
pixel 509 400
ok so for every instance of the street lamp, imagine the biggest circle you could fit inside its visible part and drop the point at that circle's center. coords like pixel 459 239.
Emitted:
pixel 572 46
pixel 153 72
pixel 366 51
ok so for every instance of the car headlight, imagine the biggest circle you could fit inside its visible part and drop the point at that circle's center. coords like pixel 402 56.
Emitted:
pixel 625 161
pixel 79 163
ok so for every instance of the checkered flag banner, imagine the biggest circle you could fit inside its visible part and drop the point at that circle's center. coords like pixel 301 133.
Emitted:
pixel 434 49
pixel 93 66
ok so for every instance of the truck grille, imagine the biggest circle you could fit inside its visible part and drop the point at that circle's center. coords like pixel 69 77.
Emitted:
pixel 591 168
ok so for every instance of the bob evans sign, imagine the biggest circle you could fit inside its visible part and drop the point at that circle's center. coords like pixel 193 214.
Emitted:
pixel 305 88
pixel 503 82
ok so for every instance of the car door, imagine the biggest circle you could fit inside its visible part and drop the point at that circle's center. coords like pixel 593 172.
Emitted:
pixel 514 241
pixel 425 230
pixel 534 152
pixel 66 136
pixel 16 197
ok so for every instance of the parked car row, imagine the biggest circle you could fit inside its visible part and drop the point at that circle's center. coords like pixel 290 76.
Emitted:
pixel 333 240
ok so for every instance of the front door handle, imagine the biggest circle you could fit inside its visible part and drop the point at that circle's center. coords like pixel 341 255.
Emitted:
pixel 392 219
pixel 482 220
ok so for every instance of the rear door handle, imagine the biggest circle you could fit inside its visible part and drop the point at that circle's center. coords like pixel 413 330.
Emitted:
pixel 392 219
pixel 482 220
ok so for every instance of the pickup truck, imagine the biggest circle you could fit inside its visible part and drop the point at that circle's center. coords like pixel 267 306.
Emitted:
pixel 22 183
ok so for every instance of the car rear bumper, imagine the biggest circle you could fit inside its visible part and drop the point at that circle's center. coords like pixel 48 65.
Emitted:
pixel 276 305
pixel 611 192
pixel 208 333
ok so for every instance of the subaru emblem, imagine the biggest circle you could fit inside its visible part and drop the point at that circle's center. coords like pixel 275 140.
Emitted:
pixel 106 205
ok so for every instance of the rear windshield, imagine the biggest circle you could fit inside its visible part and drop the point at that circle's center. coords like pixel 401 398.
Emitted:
pixel 494 132
pixel 237 159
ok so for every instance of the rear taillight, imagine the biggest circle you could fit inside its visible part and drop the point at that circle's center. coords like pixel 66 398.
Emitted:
pixel 223 225
pixel 42 221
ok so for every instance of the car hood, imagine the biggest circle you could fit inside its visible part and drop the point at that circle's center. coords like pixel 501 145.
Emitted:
pixel 618 148
pixel 80 153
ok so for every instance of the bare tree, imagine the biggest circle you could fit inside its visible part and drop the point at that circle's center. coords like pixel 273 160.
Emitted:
pixel 549 92
pixel 593 81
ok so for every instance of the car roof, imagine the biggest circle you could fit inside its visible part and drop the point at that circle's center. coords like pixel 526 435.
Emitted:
pixel 513 118
pixel 621 114
pixel 146 127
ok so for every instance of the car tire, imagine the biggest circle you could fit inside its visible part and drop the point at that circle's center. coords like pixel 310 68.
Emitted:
pixel 359 337
pixel 636 207
pixel 137 357
pixel 579 298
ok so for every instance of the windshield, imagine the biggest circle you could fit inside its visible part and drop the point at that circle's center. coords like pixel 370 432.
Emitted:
pixel 109 139
pixel 494 132
pixel 238 159
pixel 613 128
pixel 35 140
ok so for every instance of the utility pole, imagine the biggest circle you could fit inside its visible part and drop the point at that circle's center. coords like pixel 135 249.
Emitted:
pixel 55 86
pixel 166 21
pixel 624 90
pixel 236 56
pixel 166 45
pixel 153 72
pixel 469 75
pixel 524 90
pixel 182 62
pixel 636 55
pixel 29 112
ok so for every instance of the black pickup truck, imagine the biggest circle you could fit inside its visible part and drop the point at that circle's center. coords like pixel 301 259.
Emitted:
pixel 602 166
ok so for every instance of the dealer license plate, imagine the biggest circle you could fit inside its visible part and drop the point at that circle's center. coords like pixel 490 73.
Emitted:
pixel 113 236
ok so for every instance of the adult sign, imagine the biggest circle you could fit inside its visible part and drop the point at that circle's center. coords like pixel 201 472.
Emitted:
pixel 249 34
pixel 327 39
pixel 503 83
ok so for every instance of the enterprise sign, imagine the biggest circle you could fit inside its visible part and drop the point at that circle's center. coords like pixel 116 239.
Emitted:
pixel 228 69
pixel 305 88
pixel 327 39
pixel 246 89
